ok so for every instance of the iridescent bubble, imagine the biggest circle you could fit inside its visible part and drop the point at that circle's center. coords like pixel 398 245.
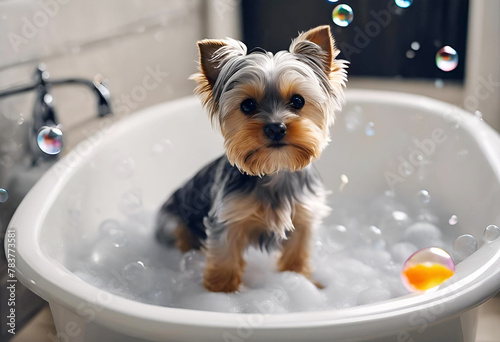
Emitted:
pixel 447 58
pixel 464 246
pixel 427 268
pixel 403 3
pixel 423 196
pixel 342 15
pixel 453 220
pixel 370 129
pixel 50 140
pixel 491 233
pixel 4 195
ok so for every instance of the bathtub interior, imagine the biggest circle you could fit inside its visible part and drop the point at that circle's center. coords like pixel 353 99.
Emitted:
pixel 164 145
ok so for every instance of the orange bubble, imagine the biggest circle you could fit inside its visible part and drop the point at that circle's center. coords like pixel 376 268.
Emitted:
pixel 427 275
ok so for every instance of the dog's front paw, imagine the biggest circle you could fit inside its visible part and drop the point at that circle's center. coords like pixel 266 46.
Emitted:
pixel 220 280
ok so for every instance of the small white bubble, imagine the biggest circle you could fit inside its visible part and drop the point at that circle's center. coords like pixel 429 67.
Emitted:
pixel 415 46
pixel 453 220
pixel 423 196
pixel 370 129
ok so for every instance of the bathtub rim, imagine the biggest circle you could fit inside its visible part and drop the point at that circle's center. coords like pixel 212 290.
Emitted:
pixel 33 265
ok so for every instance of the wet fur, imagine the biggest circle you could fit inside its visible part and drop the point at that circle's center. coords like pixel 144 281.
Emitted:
pixel 257 194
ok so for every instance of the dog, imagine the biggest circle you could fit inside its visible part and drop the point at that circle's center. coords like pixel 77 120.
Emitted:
pixel 274 112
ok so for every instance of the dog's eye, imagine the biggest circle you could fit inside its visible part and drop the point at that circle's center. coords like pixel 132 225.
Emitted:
pixel 248 106
pixel 297 101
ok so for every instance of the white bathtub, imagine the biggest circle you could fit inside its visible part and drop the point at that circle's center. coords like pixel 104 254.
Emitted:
pixel 469 186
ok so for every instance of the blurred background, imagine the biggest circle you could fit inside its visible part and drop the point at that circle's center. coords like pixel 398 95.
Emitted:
pixel 143 52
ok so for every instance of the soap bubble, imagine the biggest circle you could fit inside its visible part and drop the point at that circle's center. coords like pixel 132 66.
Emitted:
pixel 423 196
pixel 372 235
pixel 369 129
pixel 447 58
pixel 453 220
pixel 403 3
pixel 4 195
pixel 193 262
pixel 353 119
pixel 130 202
pixel 427 268
pixel 342 15
pixel 50 140
pixel 464 246
pixel 138 276
pixel 112 231
pixel 123 167
pixel 491 233
pixel 337 237
pixel 415 46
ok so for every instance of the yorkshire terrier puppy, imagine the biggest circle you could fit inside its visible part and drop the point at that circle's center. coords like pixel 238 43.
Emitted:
pixel 274 112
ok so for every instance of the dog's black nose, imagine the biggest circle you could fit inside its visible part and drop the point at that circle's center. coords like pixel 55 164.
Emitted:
pixel 275 131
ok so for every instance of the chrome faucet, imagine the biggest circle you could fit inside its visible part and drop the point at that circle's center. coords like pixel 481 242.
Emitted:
pixel 44 113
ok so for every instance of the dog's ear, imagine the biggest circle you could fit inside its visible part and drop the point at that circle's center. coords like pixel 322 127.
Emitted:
pixel 215 53
pixel 208 64
pixel 318 45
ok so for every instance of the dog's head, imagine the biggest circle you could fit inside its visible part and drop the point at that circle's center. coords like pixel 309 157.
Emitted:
pixel 274 111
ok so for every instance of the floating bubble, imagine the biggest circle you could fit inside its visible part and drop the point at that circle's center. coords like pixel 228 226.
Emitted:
pixel 491 233
pixel 4 195
pixel 337 238
pixel 50 140
pixel 333 0
pixel 403 3
pixel 415 46
pixel 410 54
pixel 453 220
pixel 370 129
pixel 343 181
pixel 447 58
pixel 112 231
pixel 464 246
pixel 423 196
pixel 427 268
pixel 342 15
